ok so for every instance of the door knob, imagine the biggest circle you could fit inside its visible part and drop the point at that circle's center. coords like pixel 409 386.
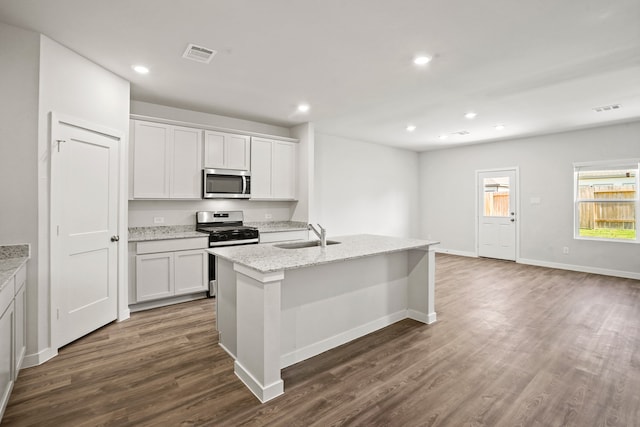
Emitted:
pixel 513 220
pixel 115 238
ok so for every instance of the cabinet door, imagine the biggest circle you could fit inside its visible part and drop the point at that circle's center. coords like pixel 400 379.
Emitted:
pixel 261 159
pixel 187 163
pixel 6 354
pixel 151 160
pixel 192 272
pixel 284 170
pixel 214 149
pixel 237 152
pixel 154 276
pixel 21 325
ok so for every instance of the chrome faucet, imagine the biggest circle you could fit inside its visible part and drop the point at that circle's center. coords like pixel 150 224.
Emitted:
pixel 322 234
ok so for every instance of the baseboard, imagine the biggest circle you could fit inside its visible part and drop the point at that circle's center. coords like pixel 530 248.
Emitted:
pixel 580 268
pixel 263 393
pixel 456 252
pixel 421 317
pixel 39 358
pixel 233 356
pixel 124 314
pixel 147 305
pixel 314 349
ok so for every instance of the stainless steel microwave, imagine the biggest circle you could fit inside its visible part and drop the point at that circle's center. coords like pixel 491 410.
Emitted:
pixel 226 184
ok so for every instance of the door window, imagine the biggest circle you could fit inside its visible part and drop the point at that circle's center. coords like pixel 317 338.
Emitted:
pixel 496 196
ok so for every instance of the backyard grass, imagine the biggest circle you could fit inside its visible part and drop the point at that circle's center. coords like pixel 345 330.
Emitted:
pixel 608 233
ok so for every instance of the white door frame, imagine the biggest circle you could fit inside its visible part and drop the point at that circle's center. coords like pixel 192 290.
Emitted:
pixel 516 169
pixel 122 248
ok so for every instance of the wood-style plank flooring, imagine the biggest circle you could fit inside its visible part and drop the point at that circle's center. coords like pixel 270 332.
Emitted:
pixel 513 345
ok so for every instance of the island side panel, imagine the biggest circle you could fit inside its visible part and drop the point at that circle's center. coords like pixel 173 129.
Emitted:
pixel 328 305
pixel 422 267
pixel 258 316
pixel 226 306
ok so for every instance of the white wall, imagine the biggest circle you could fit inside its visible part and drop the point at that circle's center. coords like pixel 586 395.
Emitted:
pixel 178 212
pixel 546 172
pixel 19 51
pixel 73 86
pixel 365 188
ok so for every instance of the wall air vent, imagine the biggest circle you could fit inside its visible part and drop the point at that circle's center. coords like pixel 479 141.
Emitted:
pixel 606 108
pixel 199 53
pixel 461 133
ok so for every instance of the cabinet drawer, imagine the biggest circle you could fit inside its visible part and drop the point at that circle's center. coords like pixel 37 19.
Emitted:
pixel 281 236
pixel 6 294
pixel 172 245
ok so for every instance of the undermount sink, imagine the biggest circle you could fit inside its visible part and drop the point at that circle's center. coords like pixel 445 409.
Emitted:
pixel 305 244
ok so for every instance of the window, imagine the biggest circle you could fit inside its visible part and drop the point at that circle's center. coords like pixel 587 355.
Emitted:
pixel 606 200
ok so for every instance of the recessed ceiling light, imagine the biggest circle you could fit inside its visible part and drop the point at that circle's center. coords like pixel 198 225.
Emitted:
pixel 421 60
pixel 411 128
pixel 141 69
pixel 442 136
pixel 303 108
pixel 470 115
pixel 499 127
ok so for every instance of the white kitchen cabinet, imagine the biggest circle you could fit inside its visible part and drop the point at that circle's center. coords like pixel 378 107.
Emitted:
pixel 191 271
pixel 168 268
pixel 154 276
pixel 224 150
pixel 166 161
pixel 20 304
pixel 7 343
pixel 273 169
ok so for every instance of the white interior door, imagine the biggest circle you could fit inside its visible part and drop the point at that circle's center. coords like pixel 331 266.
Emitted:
pixel 497 202
pixel 84 208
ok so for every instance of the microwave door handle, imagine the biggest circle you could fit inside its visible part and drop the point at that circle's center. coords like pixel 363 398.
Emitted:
pixel 244 184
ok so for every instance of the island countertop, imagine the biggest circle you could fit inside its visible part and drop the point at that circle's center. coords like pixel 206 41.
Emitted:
pixel 268 258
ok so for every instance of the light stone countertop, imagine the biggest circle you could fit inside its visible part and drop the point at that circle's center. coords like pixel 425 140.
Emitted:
pixel 268 258
pixel 165 232
pixel 276 226
pixel 12 258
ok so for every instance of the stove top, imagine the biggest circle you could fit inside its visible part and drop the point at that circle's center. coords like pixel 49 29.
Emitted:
pixel 225 228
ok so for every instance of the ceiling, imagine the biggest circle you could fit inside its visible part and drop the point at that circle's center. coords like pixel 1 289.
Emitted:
pixel 535 66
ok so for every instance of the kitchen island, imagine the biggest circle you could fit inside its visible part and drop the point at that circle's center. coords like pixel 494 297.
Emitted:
pixel 278 305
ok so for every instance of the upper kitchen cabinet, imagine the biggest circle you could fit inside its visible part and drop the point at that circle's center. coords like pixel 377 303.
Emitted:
pixel 166 161
pixel 273 169
pixel 226 151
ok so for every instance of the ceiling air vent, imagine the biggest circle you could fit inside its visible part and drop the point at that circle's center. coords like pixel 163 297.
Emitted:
pixel 606 108
pixel 461 133
pixel 199 53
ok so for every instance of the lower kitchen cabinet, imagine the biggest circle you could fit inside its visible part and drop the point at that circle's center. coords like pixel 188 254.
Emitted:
pixel 169 268
pixel 20 305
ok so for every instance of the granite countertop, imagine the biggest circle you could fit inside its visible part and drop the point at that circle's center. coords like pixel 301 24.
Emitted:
pixel 267 258
pixel 165 232
pixel 12 258
pixel 276 226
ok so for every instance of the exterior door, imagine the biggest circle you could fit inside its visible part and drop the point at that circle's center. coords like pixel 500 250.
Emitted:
pixel 497 200
pixel 84 203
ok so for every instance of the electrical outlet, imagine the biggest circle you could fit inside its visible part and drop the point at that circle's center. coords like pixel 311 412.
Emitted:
pixel 158 220
pixel 268 216
pixel 565 250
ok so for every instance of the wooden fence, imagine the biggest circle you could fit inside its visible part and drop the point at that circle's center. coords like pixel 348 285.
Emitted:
pixel 619 215
pixel 496 204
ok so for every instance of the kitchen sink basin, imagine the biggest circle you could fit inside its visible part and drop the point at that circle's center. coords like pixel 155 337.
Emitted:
pixel 305 244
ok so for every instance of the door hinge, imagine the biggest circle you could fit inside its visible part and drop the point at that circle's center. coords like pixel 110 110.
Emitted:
pixel 58 313
pixel 58 141
pixel 57 230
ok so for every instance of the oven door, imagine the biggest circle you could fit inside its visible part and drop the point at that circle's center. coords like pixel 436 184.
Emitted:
pixel 226 184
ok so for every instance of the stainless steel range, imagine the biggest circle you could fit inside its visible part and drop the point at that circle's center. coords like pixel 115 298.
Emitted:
pixel 225 228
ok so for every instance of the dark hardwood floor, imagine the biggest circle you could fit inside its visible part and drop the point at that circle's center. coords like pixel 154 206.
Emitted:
pixel 513 345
